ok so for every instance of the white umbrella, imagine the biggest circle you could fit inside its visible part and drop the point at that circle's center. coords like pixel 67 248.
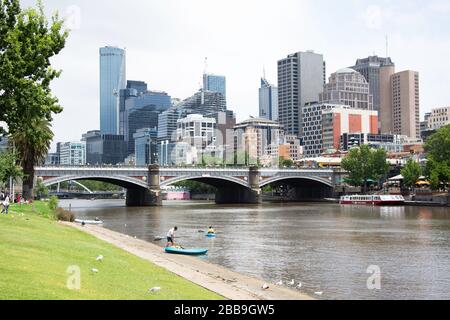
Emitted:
pixel 397 178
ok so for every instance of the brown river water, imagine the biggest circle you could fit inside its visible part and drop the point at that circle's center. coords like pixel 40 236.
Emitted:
pixel 326 247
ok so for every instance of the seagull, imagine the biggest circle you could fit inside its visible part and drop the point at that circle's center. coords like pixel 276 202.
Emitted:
pixel 319 293
pixel 279 283
pixel 292 282
pixel 265 286
pixel 299 286
pixel 94 270
pixel 100 258
pixel 154 289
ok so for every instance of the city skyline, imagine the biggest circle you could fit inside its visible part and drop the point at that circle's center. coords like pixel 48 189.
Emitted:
pixel 230 48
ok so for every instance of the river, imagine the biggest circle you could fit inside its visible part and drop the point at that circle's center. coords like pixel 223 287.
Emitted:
pixel 326 247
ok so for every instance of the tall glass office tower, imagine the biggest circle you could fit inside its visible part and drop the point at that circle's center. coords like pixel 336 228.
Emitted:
pixel 215 83
pixel 112 80
pixel 268 101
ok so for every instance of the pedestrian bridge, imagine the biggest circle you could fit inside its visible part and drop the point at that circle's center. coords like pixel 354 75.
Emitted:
pixel 234 185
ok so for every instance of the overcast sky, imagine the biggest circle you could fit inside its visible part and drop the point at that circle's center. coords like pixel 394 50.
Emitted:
pixel 168 40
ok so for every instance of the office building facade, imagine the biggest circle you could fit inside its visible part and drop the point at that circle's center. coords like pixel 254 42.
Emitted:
pixel 370 68
pixel 112 80
pixel 146 146
pixel 341 120
pixel 72 154
pixel 301 77
pixel 347 87
pixel 400 102
pixel 438 118
pixel 256 138
pixel 215 83
pixel 101 148
pixel 268 101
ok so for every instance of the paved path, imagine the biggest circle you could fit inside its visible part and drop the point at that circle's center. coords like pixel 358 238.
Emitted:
pixel 227 283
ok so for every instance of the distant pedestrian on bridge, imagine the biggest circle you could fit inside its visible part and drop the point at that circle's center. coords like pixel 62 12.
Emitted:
pixel 171 237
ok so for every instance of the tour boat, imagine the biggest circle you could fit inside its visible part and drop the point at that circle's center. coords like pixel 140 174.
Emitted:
pixel 375 200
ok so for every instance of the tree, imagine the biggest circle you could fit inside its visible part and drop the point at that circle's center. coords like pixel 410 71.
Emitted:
pixel 438 156
pixel 364 164
pixel 41 190
pixel 27 42
pixel 411 173
pixel 32 144
pixel 9 168
pixel 285 163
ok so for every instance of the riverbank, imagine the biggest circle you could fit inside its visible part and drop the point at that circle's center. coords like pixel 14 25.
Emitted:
pixel 36 253
pixel 227 283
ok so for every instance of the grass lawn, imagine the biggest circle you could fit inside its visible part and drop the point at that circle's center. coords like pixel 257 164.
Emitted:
pixel 35 253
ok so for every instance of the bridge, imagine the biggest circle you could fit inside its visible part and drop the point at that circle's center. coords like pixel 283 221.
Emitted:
pixel 234 185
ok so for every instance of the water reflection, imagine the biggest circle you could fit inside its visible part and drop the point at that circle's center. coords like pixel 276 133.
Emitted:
pixel 325 246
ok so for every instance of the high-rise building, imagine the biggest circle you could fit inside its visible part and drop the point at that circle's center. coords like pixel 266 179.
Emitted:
pixel 268 101
pixel 370 68
pixel 400 102
pixel 199 132
pixel 255 138
pixel 143 111
pixel 301 77
pixel 104 148
pixel 112 80
pixel 347 87
pixel 215 83
pixel 72 154
pixel 207 103
pixel 146 146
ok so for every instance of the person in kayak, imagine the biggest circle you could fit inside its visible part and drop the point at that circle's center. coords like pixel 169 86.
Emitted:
pixel 211 230
pixel 171 237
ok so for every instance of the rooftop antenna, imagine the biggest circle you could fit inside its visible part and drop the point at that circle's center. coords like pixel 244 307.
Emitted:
pixel 387 46
pixel 264 72
pixel 206 66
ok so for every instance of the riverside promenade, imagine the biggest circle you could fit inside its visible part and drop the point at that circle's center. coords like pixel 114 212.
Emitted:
pixel 229 284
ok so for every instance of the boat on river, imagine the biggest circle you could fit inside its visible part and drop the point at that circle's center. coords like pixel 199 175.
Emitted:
pixel 189 252
pixel 82 221
pixel 373 200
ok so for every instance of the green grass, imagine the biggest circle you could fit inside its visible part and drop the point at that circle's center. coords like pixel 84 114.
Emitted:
pixel 35 252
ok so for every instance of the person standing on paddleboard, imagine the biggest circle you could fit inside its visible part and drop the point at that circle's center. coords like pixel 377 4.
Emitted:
pixel 171 237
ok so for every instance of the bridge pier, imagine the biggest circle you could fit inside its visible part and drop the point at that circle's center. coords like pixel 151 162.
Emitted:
pixel 150 197
pixel 233 194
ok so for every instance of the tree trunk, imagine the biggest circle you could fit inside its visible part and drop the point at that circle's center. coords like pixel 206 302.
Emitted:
pixel 28 180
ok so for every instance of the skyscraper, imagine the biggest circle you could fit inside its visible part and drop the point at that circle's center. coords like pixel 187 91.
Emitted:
pixel 112 80
pixel 215 83
pixel 268 101
pixel 400 102
pixel 301 77
pixel 370 69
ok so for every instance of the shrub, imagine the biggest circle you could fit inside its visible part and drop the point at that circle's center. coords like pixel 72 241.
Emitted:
pixel 64 215
pixel 53 203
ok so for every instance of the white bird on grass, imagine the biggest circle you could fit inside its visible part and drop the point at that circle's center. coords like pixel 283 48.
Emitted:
pixel 265 286
pixel 94 270
pixel 292 282
pixel 299 286
pixel 279 283
pixel 154 289
pixel 99 258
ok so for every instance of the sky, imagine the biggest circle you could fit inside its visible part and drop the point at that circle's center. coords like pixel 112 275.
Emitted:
pixel 167 42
